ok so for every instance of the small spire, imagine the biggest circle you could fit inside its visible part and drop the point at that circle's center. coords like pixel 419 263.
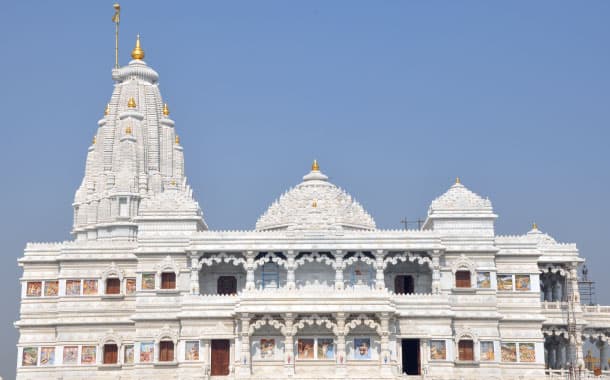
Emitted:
pixel 94 140
pixel 457 180
pixel 107 109
pixel 131 103
pixel 177 139
pixel 314 204
pixel 315 167
pixel 137 52
pixel 128 130
pixel 165 109
pixel 535 226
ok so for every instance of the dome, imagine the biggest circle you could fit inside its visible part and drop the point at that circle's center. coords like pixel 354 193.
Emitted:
pixel 315 204
pixel 460 199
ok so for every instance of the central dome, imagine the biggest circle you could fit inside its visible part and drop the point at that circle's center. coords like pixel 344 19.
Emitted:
pixel 315 204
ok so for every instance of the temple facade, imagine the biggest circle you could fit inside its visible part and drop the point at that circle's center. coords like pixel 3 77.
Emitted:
pixel 314 291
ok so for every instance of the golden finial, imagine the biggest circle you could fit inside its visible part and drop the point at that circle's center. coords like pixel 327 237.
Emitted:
pixel 534 226
pixel 315 167
pixel 131 103
pixel 137 52
pixel 314 203
pixel 128 130
pixel 177 139
pixel 93 143
pixel 107 110
pixel 165 109
pixel 457 180
pixel 173 182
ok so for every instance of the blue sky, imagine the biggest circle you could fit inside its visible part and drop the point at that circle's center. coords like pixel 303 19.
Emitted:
pixel 394 98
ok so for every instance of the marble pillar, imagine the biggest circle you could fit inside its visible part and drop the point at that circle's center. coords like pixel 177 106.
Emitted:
pixel 339 283
pixel 436 272
pixel 250 284
pixel 288 345
pixel 385 345
pixel 245 368
pixel 290 269
pixel 341 368
pixel 379 277
pixel 194 273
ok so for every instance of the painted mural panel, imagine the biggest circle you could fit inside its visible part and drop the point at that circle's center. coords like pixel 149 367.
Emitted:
pixel 128 356
pixel 509 352
pixel 527 352
pixel 47 355
pixel 70 355
pixel 30 356
pixel 487 351
pixel 130 286
pixel 438 350
pixel 148 281
pixel 89 287
pixel 522 282
pixel 305 349
pixel 326 349
pixel 191 351
pixel 51 288
pixel 505 282
pixel 267 346
pixel 34 288
pixel 362 348
pixel 73 287
pixel 483 280
pixel 147 350
pixel 87 354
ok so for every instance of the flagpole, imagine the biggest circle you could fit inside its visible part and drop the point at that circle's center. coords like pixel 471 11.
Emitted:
pixel 116 19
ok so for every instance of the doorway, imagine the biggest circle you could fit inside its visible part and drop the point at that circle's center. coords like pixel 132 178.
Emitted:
pixel 220 357
pixel 410 357
pixel 404 284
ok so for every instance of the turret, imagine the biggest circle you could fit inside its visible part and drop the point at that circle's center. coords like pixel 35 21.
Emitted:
pixel 136 157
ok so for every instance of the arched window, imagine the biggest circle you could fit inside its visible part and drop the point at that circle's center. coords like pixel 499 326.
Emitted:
pixel 466 350
pixel 168 280
pixel 462 279
pixel 113 286
pixel 111 353
pixel 166 351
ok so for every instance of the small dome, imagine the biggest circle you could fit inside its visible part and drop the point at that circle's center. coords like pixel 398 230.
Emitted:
pixel 459 199
pixel 315 204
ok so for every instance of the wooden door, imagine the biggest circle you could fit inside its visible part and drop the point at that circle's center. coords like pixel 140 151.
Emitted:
pixel 110 353
pixel 220 358
pixel 227 285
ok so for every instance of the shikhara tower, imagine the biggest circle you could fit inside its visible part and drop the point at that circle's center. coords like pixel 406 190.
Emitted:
pixel 314 291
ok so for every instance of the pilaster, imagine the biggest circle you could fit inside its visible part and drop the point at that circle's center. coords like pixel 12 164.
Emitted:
pixel 289 344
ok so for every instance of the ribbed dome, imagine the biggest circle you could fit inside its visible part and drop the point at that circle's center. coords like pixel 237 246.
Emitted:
pixel 315 204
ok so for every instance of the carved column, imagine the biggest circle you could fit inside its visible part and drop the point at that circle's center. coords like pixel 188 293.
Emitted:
pixel 573 278
pixel 548 288
pixel 289 344
pixel 290 268
pixel 379 277
pixel 339 284
pixel 250 284
pixel 244 360
pixel 436 272
pixel 603 355
pixel 385 344
pixel 194 273
pixel 341 354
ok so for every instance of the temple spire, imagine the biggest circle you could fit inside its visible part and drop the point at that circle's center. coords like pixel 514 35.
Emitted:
pixel 137 52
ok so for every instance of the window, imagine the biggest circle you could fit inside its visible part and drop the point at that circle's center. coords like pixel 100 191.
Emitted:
pixel 487 351
pixel 168 280
pixel 522 282
pixel 111 352
pixel 148 281
pixel 51 288
pixel 404 285
pixel 73 287
pixel 466 350
pixel 462 279
pixel 483 280
pixel 227 285
pixel 130 286
pixel 505 282
pixel 123 209
pixel 128 354
pixel 271 277
pixel 166 351
pixel 113 286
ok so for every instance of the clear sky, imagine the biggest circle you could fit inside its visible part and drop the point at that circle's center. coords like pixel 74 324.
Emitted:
pixel 394 98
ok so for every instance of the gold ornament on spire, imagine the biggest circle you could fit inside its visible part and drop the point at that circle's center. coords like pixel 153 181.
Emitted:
pixel 457 180
pixel 94 140
pixel 131 103
pixel 128 130
pixel 314 204
pixel 315 167
pixel 107 110
pixel 534 226
pixel 177 139
pixel 137 52
pixel 165 109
